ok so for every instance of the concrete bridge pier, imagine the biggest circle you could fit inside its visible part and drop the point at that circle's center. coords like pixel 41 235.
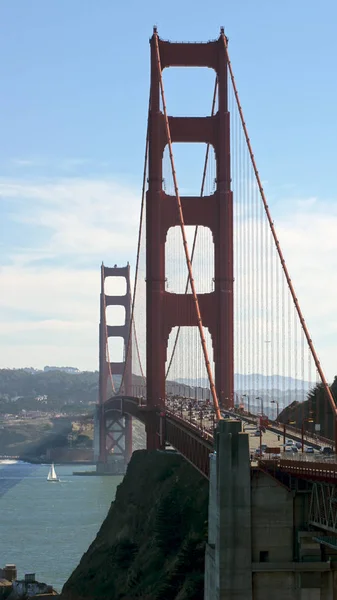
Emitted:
pixel 228 561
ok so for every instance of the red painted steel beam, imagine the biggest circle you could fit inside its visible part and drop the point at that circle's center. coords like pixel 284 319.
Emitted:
pixel 106 367
pixel 160 215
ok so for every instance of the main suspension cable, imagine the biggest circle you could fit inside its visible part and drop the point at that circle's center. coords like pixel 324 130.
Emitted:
pixel 138 256
pixel 186 250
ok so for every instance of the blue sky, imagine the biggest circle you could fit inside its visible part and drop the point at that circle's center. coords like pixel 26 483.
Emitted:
pixel 75 81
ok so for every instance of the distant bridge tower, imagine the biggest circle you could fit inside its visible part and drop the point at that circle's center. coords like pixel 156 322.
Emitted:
pixel 115 429
pixel 166 310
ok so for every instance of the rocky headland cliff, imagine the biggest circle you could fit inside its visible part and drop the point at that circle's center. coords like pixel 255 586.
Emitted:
pixel 151 545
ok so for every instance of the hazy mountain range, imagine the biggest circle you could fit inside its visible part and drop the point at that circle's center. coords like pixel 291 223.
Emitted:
pixel 242 383
pixel 252 383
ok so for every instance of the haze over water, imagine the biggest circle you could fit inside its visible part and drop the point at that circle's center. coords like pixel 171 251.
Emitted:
pixel 46 527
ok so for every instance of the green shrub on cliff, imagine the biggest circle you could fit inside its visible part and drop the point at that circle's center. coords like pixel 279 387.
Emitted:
pixel 168 523
pixel 124 553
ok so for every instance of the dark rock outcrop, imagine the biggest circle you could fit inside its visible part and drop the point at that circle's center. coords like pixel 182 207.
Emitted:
pixel 151 545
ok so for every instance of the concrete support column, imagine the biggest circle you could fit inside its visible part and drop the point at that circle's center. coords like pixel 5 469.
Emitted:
pixel 327 588
pixel 228 566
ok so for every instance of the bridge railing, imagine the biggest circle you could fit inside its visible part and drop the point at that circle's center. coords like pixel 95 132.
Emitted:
pixel 195 441
pixel 278 428
pixel 201 431
pixel 309 458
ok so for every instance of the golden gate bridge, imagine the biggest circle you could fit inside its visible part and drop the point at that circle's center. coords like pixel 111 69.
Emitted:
pixel 212 294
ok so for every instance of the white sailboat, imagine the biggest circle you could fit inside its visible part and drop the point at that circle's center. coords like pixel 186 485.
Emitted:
pixel 52 474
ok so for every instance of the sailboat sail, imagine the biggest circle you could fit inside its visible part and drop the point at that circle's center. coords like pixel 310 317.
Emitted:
pixel 52 474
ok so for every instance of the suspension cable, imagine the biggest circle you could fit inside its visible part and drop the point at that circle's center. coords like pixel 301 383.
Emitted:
pixel 137 350
pixel 196 227
pixel 186 250
pixel 277 243
pixel 132 321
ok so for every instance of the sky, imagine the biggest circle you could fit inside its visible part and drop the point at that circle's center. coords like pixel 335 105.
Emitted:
pixel 73 109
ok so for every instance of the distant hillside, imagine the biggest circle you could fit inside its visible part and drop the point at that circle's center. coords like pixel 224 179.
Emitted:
pixel 256 381
pixel 67 390
pixel 46 390
pixel 315 411
pixel 48 368
pixel 65 369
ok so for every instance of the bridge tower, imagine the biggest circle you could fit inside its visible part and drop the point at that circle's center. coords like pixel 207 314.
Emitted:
pixel 115 429
pixel 166 310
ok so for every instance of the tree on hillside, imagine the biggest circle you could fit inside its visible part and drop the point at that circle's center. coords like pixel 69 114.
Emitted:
pixel 317 395
pixel 60 387
pixel 315 410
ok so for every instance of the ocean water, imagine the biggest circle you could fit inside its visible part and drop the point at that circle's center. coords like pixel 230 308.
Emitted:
pixel 46 527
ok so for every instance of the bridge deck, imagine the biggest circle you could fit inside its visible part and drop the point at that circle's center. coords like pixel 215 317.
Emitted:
pixel 195 443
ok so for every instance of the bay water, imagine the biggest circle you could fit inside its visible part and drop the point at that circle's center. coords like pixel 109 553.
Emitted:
pixel 46 527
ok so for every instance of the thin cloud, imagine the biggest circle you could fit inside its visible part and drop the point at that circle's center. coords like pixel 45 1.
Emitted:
pixel 65 164
pixel 82 217
pixel 51 305
pixel 306 203
pixel 24 162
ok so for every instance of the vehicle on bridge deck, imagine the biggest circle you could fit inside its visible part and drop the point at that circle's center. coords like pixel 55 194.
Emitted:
pixel 326 450
pixel 259 452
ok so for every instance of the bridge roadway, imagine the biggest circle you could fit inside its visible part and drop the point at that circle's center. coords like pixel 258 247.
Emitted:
pixel 194 440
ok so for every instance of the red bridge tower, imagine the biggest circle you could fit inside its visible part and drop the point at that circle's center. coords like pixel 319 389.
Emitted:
pixel 166 310
pixel 115 429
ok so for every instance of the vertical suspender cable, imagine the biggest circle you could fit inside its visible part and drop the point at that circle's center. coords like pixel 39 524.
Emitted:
pixel 270 314
pixel 279 251
pixel 107 341
pixel 138 256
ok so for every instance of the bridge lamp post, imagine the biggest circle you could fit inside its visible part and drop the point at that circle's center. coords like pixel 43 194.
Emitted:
pixel 277 408
pixel 260 398
pixel 190 412
pixel 248 401
pixel 213 422
pixel 200 417
pixel 262 413
pixel 302 430
pixel 284 429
